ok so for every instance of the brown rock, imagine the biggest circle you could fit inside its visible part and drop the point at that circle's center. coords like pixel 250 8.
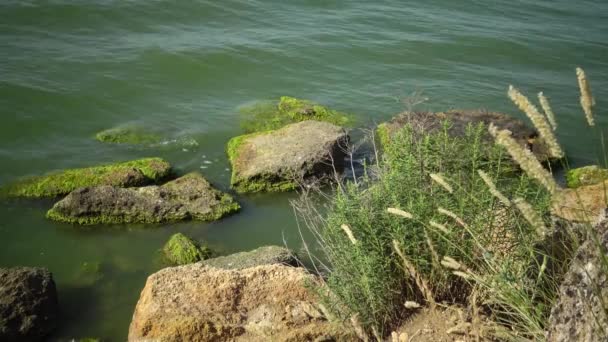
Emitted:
pixel 582 204
pixel 201 303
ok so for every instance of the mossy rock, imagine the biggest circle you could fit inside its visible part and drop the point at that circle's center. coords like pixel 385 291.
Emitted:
pixel 270 116
pixel 282 159
pixel 182 250
pixel 129 135
pixel 267 255
pixel 587 175
pixel 189 197
pixel 125 174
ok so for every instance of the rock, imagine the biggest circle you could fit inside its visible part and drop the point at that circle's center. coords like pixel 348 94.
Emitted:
pixel 28 304
pixel 579 314
pixel 126 174
pixel 582 204
pixel 129 134
pixel 460 119
pixel 182 250
pixel 288 110
pixel 188 197
pixel 201 303
pixel 587 175
pixel 279 160
pixel 268 255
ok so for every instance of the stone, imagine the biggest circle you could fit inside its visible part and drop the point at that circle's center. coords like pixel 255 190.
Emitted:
pixel 125 174
pixel 459 121
pixel 267 255
pixel 282 159
pixel 201 303
pixel 581 204
pixel 587 175
pixel 579 313
pixel 182 250
pixel 189 197
pixel 28 304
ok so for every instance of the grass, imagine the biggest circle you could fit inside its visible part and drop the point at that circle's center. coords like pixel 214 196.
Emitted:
pixel 426 226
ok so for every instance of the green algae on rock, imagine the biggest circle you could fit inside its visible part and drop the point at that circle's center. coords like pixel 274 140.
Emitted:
pixel 269 116
pixel 125 174
pixel 182 250
pixel 189 197
pixel 267 255
pixel 587 175
pixel 128 135
pixel 280 160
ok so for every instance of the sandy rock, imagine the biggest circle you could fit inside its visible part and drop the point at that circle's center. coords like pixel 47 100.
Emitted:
pixel 582 204
pixel 28 304
pixel 188 197
pixel 278 160
pixel 267 255
pixel 201 303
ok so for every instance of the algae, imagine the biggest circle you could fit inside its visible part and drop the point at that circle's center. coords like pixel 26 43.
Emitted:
pixel 182 250
pixel 124 174
pixel 128 135
pixel 587 175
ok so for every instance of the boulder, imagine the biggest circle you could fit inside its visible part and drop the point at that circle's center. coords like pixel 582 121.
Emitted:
pixel 582 204
pixel 201 303
pixel 125 174
pixel 28 304
pixel 580 313
pixel 182 250
pixel 267 255
pixel 459 121
pixel 273 115
pixel 188 197
pixel 587 175
pixel 279 160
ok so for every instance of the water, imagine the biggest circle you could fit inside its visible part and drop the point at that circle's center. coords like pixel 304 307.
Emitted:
pixel 71 68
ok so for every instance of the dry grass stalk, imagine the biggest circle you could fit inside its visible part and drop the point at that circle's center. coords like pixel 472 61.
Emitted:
pixel 453 216
pixel 434 254
pixel 438 178
pixel 587 100
pixel 349 233
pixel 526 160
pixel 451 263
pixel 544 103
pixel 420 282
pixel 399 212
pixel 493 189
pixel 538 120
pixel 411 305
pixel 439 226
pixel 531 215
pixel 354 320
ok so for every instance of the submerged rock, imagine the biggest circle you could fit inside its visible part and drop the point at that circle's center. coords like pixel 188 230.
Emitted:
pixel 132 135
pixel 125 174
pixel 587 175
pixel 279 160
pixel 188 197
pixel 580 313
pixel 268 255
pixel 459 121
pixel 582 204
pixel 182 250
pixel 201 303
pixel 28 304
pixel 269 116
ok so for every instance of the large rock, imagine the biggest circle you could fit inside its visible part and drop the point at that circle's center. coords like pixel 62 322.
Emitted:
pixel 267 255
pixel 587 175
pixel 28 304
pixel 126 174
pixel 580 312
pixel 279 160
pixel 459 120
pixel 188 197
pixel 582 204
pixel 201 303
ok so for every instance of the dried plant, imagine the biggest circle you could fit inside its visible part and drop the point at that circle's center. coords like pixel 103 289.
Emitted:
pixel 438 178
pixel 587 100
pixel 544 103
pixel 492 187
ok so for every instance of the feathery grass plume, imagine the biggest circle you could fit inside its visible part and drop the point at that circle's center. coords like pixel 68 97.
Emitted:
pixel 422 284
pixel 399 212
pixel 526 160
pixel 463 275
pixel 587 100
pixel 438 178
pixel 349 233
pixel 450 263
pixel 402 337
pixel 538 120
pixel 354 320
pixel 439 226
pixel 432 249
pixel 493 189
pixel 411 305
pixel 531 215
pixel 453 216
pixel 544 103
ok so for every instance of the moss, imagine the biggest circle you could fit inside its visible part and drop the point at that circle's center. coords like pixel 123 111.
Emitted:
pixel 270 116
pixel 382 131
pixel 126 174
pixel 587 175
pixel 182 250
pixel 128 135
